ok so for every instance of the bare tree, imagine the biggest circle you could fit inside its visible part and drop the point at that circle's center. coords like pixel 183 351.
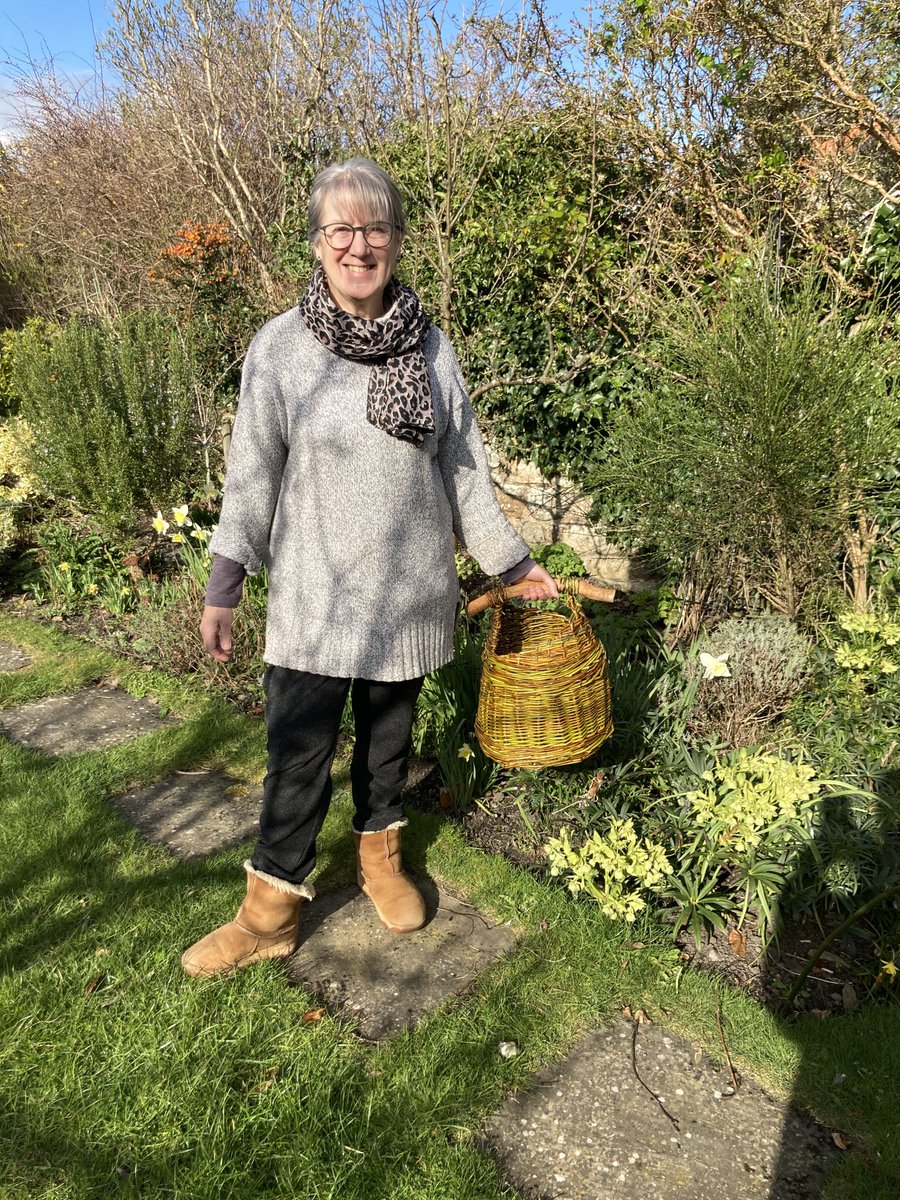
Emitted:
pixel 231 88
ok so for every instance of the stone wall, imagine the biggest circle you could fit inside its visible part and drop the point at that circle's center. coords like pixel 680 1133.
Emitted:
pixel 556 510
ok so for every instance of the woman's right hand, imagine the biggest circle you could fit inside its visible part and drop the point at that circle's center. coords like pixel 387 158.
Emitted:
pixel 215 630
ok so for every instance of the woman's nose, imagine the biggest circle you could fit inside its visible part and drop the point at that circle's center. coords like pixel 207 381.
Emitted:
pixel 359 245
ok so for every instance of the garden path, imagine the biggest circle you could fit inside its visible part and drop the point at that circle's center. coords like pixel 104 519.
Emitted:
pixel 587 1128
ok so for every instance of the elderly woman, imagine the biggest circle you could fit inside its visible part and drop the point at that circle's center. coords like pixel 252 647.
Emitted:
pixel 355 458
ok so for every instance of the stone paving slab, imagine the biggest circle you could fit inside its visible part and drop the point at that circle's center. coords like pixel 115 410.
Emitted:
pixel 388 981
pixel 587 1130
pixel 12 658
pixel 92 719
pixel 193 813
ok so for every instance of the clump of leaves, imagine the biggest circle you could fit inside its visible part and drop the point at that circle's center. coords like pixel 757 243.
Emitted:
pixel 560 560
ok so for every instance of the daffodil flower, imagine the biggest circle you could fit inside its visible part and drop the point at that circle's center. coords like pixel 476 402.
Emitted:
pixel 64 567
pixel 180 515
pixel 178 539
pixel 465 751
pixel 160 524
pixel 715 666
pixel 92 589
pixel 202 535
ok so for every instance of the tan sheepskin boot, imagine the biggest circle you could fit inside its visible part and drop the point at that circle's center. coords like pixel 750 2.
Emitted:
pixel 380 873
pixel 265 926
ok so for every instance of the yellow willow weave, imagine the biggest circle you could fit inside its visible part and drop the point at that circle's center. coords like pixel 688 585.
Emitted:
pixel 545 694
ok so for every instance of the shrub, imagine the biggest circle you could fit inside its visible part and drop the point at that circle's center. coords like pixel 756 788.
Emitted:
pixel 18 490
pixel 560 560
pixel 114 403
pixel 762 445
pixel 767 660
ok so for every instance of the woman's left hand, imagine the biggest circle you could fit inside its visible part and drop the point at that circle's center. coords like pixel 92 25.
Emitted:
pixel 543 587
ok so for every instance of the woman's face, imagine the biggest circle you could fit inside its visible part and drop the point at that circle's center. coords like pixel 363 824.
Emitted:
pixel 358 275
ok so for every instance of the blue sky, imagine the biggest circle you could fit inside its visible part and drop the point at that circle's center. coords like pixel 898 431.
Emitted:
pixel 62 27
pixel 65 30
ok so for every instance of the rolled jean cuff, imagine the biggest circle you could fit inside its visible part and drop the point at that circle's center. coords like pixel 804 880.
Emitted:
pixel 391 818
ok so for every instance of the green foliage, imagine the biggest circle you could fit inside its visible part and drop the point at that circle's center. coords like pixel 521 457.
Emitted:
pixel 19 492
pixel 771 428
pixel 613 868
pixel 530 300
pixel 34 333
pixel 114 403
pixel 445 719
pixel 78 567
pixel 739 828
pixel 560 560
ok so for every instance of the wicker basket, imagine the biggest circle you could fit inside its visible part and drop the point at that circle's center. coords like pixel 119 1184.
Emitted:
pixel 545 695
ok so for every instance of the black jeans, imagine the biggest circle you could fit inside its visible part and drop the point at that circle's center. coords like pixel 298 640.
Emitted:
pixel 303 719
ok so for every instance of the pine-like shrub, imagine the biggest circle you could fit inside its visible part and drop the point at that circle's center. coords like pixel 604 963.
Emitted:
pixel 112 407
pixel 761 435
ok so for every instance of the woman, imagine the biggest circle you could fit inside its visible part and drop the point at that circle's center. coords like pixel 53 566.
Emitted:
pixel 354 460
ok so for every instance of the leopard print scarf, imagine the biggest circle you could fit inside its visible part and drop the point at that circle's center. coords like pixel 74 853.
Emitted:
pixel 399 397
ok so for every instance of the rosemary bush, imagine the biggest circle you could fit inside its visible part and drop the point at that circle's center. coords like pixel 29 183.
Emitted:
pixel 114 404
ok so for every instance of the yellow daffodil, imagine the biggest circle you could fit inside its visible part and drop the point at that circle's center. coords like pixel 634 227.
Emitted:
pixel 160 524
pixel 64 567
pixel 92 589
pixel 890 968
pixel 178 539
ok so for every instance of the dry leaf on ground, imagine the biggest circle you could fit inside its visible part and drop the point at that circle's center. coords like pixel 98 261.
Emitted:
pixel 738 942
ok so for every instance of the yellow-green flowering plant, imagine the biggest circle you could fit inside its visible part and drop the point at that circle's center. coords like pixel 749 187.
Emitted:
pixel 616 867
pixel 869 649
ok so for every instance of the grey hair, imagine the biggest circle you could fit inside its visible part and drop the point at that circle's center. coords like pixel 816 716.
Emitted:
pixel 363 184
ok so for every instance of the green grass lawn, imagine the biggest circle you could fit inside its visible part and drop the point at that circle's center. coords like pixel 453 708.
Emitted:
pixel 120 1076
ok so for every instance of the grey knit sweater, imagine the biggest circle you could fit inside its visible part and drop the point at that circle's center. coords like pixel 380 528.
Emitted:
pixel 354 525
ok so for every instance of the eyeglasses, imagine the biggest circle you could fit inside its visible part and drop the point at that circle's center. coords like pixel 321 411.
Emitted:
pixel 378 234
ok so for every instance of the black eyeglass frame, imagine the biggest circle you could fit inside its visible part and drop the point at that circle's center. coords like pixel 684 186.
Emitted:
pixel 363 229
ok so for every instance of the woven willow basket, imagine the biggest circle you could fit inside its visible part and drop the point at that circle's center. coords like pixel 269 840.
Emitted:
pixel 545 695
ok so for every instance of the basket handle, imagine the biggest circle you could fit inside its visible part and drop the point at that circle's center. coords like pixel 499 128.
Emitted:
pixel 578 587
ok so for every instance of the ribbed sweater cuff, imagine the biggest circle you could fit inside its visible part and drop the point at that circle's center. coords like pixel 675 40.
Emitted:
pixel 226 583
pixel 514 573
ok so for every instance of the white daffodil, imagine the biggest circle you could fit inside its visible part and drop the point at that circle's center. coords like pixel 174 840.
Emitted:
pixel 180 515
pixel 465 751
pixel 160 524
pixel 202 535
pixel 715 666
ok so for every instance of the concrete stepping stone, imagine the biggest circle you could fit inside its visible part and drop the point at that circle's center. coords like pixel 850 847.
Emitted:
pixel 193 813
pixel 588 1130
pixel 92 719
pixel 387 981
pixel 12 658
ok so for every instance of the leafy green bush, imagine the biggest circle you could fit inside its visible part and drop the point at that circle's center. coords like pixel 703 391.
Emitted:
pixel 114 404
pixel 445 719
pixel 737 833
pixel 18 490
pixel 760 447
pixel 560 560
